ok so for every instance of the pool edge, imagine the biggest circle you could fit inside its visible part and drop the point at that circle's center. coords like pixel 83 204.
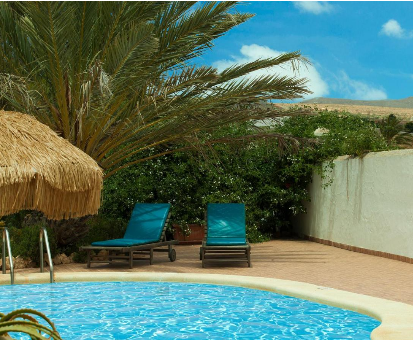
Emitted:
pixel 396 317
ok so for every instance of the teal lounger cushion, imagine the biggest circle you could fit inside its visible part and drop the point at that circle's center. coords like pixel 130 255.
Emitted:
pixel 145 226
pixel 226 241
pixel 226 224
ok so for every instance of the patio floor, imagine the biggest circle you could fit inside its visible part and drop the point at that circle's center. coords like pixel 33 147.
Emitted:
pixel 296 260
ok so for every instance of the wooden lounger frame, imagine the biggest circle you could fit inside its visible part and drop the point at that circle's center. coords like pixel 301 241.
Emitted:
pixel 133 253
pixel 239 253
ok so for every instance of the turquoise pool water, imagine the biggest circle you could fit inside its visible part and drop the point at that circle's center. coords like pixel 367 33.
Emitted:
pixel 165 310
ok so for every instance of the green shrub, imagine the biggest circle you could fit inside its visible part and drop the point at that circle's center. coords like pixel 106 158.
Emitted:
pixel 100 228
pixel 175 178
pixel 25 241
pixel 390 127
pixel 254 235
pixel 409 127
pixel 104 228
pixel 253 174
pixel 348 134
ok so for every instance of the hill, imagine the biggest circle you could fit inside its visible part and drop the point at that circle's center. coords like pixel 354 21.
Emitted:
pixel 406 103
pixel 403 108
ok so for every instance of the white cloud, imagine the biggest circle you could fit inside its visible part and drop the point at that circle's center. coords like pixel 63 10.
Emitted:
pixel 314 7
pixel 253 52
pixel 392 28
pixel 355 89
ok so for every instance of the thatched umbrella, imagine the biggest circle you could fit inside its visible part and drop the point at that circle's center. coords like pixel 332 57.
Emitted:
pixel 41 171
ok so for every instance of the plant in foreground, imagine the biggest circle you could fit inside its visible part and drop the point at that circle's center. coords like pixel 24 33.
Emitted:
pixel 24 321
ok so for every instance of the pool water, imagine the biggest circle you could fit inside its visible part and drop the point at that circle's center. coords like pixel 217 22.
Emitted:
pixel 165 310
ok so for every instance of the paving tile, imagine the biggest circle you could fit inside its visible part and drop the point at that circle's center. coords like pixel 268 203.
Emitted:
pixel 295 260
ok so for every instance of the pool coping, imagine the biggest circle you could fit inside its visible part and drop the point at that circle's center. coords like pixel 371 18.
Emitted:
pixel 396 318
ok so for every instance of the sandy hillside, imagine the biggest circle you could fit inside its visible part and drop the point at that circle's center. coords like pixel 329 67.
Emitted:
pixel 373 111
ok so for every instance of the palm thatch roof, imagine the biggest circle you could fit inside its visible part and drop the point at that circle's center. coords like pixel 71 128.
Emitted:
pixel 41 171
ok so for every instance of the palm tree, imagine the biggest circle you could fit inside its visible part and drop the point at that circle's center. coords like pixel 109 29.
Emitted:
pixel 392 129
pixel 118 78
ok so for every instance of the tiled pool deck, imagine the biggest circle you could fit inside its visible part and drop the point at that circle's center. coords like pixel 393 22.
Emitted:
pixel 295 260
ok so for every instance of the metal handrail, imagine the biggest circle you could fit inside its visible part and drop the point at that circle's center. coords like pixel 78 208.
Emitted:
pixel 6 241
pixel 43 235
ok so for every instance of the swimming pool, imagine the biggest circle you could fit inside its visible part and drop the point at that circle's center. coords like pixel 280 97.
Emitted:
pixel 167 310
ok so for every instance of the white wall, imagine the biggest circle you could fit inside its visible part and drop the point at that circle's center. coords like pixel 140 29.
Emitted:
pixel 368 205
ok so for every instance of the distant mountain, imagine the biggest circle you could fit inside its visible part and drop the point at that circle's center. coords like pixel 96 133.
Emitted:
pixel 406 103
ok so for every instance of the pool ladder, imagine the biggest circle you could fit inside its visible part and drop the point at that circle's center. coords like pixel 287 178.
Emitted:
pixel 6 245
pixel 43 236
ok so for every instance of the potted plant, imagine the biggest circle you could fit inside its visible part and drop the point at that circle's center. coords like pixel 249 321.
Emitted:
pixel 187 233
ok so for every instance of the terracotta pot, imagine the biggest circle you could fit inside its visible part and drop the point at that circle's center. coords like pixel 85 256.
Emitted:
pixel 197 233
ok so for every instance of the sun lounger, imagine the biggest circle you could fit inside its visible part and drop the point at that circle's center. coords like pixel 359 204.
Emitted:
pixel 225 237
pixel 144 235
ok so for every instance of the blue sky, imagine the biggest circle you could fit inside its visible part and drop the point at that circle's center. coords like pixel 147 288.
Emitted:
pixel 358 50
